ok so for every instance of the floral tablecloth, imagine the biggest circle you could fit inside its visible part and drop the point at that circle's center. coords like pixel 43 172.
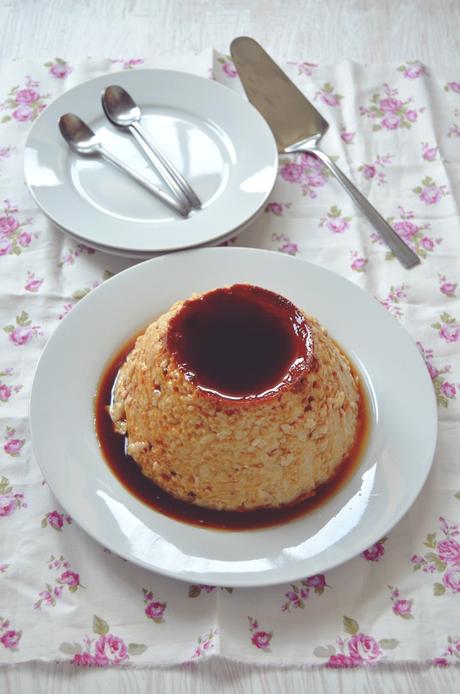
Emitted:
pixel 396 132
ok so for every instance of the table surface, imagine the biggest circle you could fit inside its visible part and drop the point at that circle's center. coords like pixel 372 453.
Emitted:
pixel 324 31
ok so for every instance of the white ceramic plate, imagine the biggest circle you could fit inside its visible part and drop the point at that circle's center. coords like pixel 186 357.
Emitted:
pixel 393 470
pixel 213 135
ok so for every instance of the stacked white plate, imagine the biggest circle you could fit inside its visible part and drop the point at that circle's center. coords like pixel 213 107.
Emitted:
pixel 214 136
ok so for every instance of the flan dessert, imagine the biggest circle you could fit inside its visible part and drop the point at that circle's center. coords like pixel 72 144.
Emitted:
pixel 237 400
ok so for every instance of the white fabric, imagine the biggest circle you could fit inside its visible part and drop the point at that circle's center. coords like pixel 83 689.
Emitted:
pixel 402 148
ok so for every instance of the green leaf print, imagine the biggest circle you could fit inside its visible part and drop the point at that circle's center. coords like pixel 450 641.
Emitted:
pixel 100 626
pixel 70 648
pixel 388 644
pixel 136 648
pixel 350 625
pixel 438 589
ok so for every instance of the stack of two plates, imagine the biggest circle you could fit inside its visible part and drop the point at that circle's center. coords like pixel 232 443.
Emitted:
pixel 214 137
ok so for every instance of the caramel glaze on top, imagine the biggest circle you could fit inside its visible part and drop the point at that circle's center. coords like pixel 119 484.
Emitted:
pixel 241 343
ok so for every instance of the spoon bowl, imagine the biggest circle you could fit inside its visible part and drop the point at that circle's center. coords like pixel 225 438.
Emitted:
pixel 79 135
pixel 119 107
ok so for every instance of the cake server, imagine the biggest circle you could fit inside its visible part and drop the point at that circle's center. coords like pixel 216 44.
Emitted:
pixel 298 127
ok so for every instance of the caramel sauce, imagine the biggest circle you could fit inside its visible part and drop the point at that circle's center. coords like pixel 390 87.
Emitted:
pixel 129 474
pixel 240 342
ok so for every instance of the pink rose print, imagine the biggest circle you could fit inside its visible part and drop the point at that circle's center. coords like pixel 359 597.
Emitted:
pixel 277 208
pixel 452 87
pixel 9 638
pixel 24 104
pixel 65 310
pixel 195 590
pixel 451 579
pixel 415 235
pixel 3 568
pixel 229 242
pixel 327 96
pixel 23 332
pixel 364 648
pixel 59 68
pixel 306 171
pixel 56 520
pixel 14 238
pixel 442 557
pixel 110 649
pixel 205 644
pixel 84 659
pixel 62 579
pixel 5 152
pixel 127 63
pixel 429 153
pixel 445 287
pixel 32 284
pixel 449 390
pixel 449 551
pixel 13 445
pixel 393 299
pixel 429 193
pixel 303 68
pixel 9 502
pixel 260 639
pixel 346 136
pixel 375 552
pixel 412 70
pixel 374 170
pixel 358 649
pixel 391 121
pixel 154 609
pixel 358 263
pixel 334 221
pixel 401 608
pixel 292 172
pixel 447 327
pixel 452 653
pixel 444 390
pixel 70 257
pixel 106 650
pixel 299 593
pixel 7 391
pixel 70 578
pixel 389 112
pixel 228 67
pixel 285 245
pixel 27 96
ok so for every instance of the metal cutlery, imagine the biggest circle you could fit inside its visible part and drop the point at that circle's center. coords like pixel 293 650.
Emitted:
pixel 84 141
pixel 122 111
pixel 298 127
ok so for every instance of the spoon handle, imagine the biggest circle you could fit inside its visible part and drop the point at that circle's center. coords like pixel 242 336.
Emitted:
pixel 169 200
pixel 165 167
pixel 404 254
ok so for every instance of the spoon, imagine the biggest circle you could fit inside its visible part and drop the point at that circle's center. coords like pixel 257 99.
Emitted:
pixel 84 141
pixel 122 111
